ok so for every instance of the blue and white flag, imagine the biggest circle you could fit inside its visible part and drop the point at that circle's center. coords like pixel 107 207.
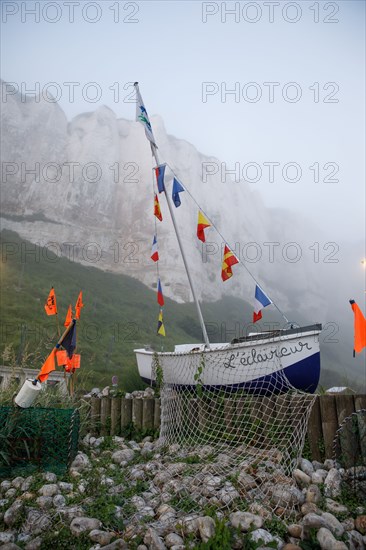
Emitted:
pixel 177 188
pixel 143 117
pixel 261 300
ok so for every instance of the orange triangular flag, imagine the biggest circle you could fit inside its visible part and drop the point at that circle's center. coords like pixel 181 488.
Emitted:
pixel 68 316
pixel 360 328
pixel 51 305
pixel 79 304
pixel 47 367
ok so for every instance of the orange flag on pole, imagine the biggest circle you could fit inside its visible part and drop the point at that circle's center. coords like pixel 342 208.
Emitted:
pixel 51 305
pixel 79 304
pixel 47 367
pixel 68 316
pixel 201 225
pixel 360 328
pixel 228 260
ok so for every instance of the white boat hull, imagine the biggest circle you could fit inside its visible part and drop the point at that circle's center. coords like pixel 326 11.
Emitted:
pixel 270 362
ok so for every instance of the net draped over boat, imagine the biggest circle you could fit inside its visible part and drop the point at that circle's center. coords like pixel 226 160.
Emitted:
pixel 225 444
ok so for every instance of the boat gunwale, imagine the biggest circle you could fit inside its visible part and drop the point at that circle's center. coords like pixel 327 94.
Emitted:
pixel 275 336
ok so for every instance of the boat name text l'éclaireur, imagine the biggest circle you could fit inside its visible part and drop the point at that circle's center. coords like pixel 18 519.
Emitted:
pixel 253 357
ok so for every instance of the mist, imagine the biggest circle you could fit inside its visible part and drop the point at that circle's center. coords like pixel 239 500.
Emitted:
pixel 258 106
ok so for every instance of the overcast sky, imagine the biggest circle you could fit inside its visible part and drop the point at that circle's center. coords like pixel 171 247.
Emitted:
pixel 296 70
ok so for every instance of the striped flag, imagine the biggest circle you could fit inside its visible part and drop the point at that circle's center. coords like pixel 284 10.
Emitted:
pixel 228 260
pixel 201 226
pixel 261 300
pixel 154 250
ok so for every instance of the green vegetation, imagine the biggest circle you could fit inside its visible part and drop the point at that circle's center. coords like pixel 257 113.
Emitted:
pixel 120 313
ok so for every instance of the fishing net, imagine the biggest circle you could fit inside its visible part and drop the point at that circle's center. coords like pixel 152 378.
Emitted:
pixel 225 442
pixel 350 451
pixel 37 438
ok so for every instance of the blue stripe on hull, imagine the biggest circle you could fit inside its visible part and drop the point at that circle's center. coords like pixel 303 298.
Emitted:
pixel 303 375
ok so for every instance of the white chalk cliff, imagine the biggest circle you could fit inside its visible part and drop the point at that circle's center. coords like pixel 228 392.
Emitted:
pixel 66 211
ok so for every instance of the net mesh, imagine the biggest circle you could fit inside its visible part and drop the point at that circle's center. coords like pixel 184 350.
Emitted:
pixel 37 438
pixel 350 451
pixel 226 441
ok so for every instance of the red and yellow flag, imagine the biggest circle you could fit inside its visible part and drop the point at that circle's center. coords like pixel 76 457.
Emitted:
pixel 51 305
pixel 47 367
pixel 157 211
pixel 68 316
pixel 79 304
pixel 360 328
pixel 201 225
pixel 228 260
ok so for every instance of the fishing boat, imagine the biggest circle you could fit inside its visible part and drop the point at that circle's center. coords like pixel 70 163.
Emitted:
pixel 262 363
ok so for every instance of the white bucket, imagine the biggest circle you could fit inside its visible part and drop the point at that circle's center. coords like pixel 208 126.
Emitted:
pixel 27 394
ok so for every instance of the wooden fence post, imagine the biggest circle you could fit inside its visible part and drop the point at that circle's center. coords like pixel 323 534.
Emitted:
pixel 157 413
pixel 315 433
pixel 105 416
pixel 126 412
pixel 148 414
pixel 116 416
pixel 347 443
pixel 137 413
pixel 329 422
pixel 95 415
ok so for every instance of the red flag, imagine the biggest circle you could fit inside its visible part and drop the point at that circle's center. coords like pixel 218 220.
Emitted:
pixel 257 316
pixel 201 225
pixel 359 327
pixel 47 367
pixel 157 211
pixel 68 316
pixel 51 305
pixel 79 304
pixel 228 260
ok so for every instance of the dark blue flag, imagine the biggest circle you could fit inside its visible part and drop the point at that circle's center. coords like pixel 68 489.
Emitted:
pixel 159 173
pixel 177 188
pixel 69 342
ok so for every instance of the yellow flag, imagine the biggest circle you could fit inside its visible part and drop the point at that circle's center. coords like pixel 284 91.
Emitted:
pixel 161 329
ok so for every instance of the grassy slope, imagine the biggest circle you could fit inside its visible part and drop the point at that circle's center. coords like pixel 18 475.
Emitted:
pixel 120 314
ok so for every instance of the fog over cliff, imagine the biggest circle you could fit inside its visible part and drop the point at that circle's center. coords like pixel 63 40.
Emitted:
pixel 90 181
pixel 90 198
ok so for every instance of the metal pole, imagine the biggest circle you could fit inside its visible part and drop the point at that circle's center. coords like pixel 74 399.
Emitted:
pixel 199 312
